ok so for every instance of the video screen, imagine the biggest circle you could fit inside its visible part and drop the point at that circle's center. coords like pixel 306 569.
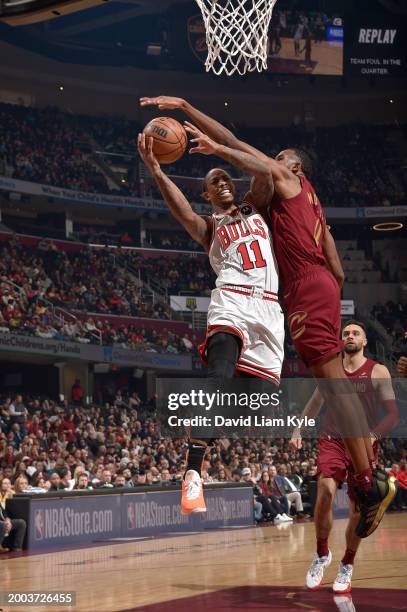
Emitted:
pixel 305 42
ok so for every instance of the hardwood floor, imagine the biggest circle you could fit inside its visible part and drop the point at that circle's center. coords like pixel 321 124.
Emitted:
pixel 256 568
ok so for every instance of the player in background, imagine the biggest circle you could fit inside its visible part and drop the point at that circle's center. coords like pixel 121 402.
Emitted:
pixel 375 390
pixel 312 276
pixel 245 322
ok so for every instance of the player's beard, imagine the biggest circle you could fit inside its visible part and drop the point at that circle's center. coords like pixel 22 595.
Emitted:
pixel 352 349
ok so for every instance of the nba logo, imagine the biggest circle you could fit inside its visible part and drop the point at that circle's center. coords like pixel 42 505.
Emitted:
pixel 39 525
pixel 131 516
pixel 246 210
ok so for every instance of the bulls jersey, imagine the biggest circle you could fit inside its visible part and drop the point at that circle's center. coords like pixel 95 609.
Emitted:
pixel 298 226
pixel 241 251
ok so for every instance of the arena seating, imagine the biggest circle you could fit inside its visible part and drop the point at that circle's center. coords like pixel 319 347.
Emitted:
pixel 40 436
pixel 354 165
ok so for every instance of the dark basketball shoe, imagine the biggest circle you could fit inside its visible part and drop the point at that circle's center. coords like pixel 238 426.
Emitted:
pixel 374 503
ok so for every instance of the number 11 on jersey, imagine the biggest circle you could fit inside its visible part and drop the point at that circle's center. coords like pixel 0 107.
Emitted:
pixel 248 264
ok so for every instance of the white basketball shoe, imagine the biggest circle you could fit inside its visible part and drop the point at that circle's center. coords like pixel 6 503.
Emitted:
pixel 315 573
pixel 343 581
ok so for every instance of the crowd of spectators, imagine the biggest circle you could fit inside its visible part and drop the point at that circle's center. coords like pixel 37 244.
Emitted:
pixel 47 445
pixel 49 147
pixel 52 293
pixel 84 280
pixel 393 317
pixel 35 280
pixel 175 275
pixel 354 165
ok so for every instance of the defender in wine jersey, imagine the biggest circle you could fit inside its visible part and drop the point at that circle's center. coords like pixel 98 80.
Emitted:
pixel 245 322
pixel 312 278
pixel 373 384
pixel 245 301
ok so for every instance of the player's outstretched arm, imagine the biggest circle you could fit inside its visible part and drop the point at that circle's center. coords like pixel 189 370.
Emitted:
pixel 311 410
pixel 215 130
pixel 199 228
pixel 262 186
pixel 332 258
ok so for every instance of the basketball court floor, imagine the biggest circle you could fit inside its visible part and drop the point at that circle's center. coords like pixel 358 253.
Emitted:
pixel 256 568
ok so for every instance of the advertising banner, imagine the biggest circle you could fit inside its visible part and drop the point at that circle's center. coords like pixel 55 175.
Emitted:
pixel 55 522
pixel 82 518
pixel 84 197
pixel 201 304
pixel 159 512
pixel 189 302
pixel 375 44
pixel 100 199
pixel 31 345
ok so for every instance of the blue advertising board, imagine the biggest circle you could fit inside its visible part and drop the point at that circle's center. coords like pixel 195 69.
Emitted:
pixel 61 521
pixel 53 522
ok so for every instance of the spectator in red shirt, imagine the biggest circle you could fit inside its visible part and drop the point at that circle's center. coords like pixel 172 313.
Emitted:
pixel 68 427
pixel 400 473
pixel 77 393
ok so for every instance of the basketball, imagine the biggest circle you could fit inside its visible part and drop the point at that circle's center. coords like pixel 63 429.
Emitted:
pixel 170 139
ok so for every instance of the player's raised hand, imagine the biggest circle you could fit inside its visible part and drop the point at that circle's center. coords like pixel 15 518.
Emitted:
pixel 202 143
pixel 296 440
pixel 145 149
pixel 163 102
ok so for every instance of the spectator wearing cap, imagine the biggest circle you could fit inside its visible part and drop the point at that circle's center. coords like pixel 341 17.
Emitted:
pixel 140 479
pixel 237 475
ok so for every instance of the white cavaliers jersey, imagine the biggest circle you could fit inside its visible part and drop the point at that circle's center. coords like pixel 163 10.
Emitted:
pixel 241 251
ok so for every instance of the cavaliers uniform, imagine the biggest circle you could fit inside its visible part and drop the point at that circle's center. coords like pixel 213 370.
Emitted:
pixel 333 459
pixel 245 301
pixel 311 293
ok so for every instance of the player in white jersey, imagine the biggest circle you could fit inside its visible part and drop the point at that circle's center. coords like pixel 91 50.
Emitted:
pixel 245 322
pixel 245 301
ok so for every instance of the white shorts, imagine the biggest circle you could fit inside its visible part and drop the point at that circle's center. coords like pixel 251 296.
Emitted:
pixel 257 320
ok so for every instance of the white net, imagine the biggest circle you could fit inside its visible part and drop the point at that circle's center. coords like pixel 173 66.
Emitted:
pixel 236 34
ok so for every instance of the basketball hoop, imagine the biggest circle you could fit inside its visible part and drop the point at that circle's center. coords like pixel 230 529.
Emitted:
pixel 236 34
